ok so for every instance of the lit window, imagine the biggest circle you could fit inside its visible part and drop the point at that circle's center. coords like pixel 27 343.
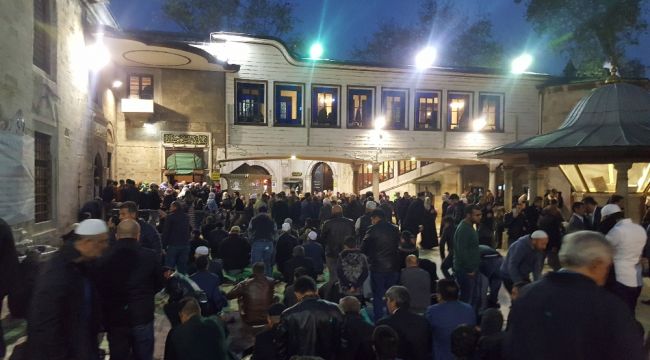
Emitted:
pixel 406 166
pixel 360 108
pixel 491 108
pixel 393 106
pixel 364 178
pixel 250 98
pixel 288 105
pixel 459 108
pixel 427 110
pixel 324 105
pixel 141 87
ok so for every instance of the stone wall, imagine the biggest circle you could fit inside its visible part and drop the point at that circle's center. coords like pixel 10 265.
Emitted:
pixel 185 102
pixel 55 104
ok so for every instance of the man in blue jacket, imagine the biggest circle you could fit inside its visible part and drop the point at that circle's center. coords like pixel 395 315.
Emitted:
pixel 149 237
pixel 525 256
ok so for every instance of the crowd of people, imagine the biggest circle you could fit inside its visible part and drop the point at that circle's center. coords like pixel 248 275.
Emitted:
pixel 356 285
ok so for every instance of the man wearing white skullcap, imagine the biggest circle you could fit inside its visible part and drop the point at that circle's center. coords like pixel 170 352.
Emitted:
pixel 63 315
pixel 284 248
pixel 525 256
pixel 315 252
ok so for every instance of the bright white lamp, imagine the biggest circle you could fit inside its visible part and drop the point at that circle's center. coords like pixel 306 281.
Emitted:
pixel 521 63
pixel 97 54
pixel 379 123
pixel 425 58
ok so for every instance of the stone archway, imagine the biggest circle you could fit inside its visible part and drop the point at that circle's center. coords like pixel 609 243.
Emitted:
pixel 322 178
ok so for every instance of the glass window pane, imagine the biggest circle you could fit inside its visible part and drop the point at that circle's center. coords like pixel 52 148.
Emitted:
pixel 427 110
pixel 288 105
pixel 490 106
pixel 250 103
pixel 325 101
pixel 360 108
pixel 459 108
pixel 394 108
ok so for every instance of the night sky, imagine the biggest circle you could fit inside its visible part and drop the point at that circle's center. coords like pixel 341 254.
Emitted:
pixel 342 24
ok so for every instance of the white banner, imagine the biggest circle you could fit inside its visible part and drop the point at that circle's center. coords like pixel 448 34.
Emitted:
pixel 16 178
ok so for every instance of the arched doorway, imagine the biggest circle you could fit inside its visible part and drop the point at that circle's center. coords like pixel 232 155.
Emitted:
pixel 249 179
pixel 322 178
pixel 98 176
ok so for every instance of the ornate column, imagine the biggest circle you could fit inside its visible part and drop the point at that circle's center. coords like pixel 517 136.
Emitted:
pixel 622 181
pixel 355 178
pixel 459 181
pixel 507 183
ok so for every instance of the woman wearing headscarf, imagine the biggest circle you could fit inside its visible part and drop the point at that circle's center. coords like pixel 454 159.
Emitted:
pixel 429 234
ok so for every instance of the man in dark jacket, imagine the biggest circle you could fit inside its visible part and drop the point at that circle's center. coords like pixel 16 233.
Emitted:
pixel 415 215
pixel 198 337
pixel 363 222
pixel 592 216
pixel 63 320
pixel 356 333
pixel 280 209
pixel 262 232
pixel 235 252
pixel 298 260
pixel 402 207
pixel 149 237
pixel 312 327
pixel 129 277
pixel 265 341
pixel 179 286
pixel 176 238
pixel 567 315
pixel 8 269
pixel 353 269
pixel 214 238
pixel 577 220
pixel 413 330
pixel 533 212
pixel 381 246
pixel 254 296
pixel 333 233
pixel 284 247
pixel 516 223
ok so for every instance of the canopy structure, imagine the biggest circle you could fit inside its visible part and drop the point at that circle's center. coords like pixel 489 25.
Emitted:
pixel 184 163
pixel 603 146
pixel 611 124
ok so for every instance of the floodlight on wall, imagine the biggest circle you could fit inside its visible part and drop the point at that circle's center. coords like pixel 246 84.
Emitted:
pixel 479 123
pixel 521 63
pixel 150 128
pixel 117 84
pixel 425 58
pixel 412 158
pixel 379 122
pixel 316 51
pixel 97 54
pixel 293 157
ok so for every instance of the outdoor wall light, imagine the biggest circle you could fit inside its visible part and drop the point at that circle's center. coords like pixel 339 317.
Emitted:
pixel 521 63
pixel 316 51
pixel 425 58
pixel 479 124
pixel 97 54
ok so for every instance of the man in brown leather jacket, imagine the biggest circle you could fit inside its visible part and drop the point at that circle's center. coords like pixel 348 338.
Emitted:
pixel 254 295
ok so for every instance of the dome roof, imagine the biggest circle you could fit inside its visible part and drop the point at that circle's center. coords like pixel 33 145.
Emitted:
pixel 615 118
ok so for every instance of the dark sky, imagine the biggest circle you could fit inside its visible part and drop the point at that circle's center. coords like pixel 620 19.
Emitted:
pixel 342 24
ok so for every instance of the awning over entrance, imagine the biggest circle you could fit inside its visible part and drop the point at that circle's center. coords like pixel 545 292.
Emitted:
pixel 184 163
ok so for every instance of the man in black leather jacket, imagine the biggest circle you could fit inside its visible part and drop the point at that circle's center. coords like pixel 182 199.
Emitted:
pixel 333 233
pixel 312 327
pixel 381 246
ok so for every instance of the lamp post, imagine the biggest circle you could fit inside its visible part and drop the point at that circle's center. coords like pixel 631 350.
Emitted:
pixel 378 124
